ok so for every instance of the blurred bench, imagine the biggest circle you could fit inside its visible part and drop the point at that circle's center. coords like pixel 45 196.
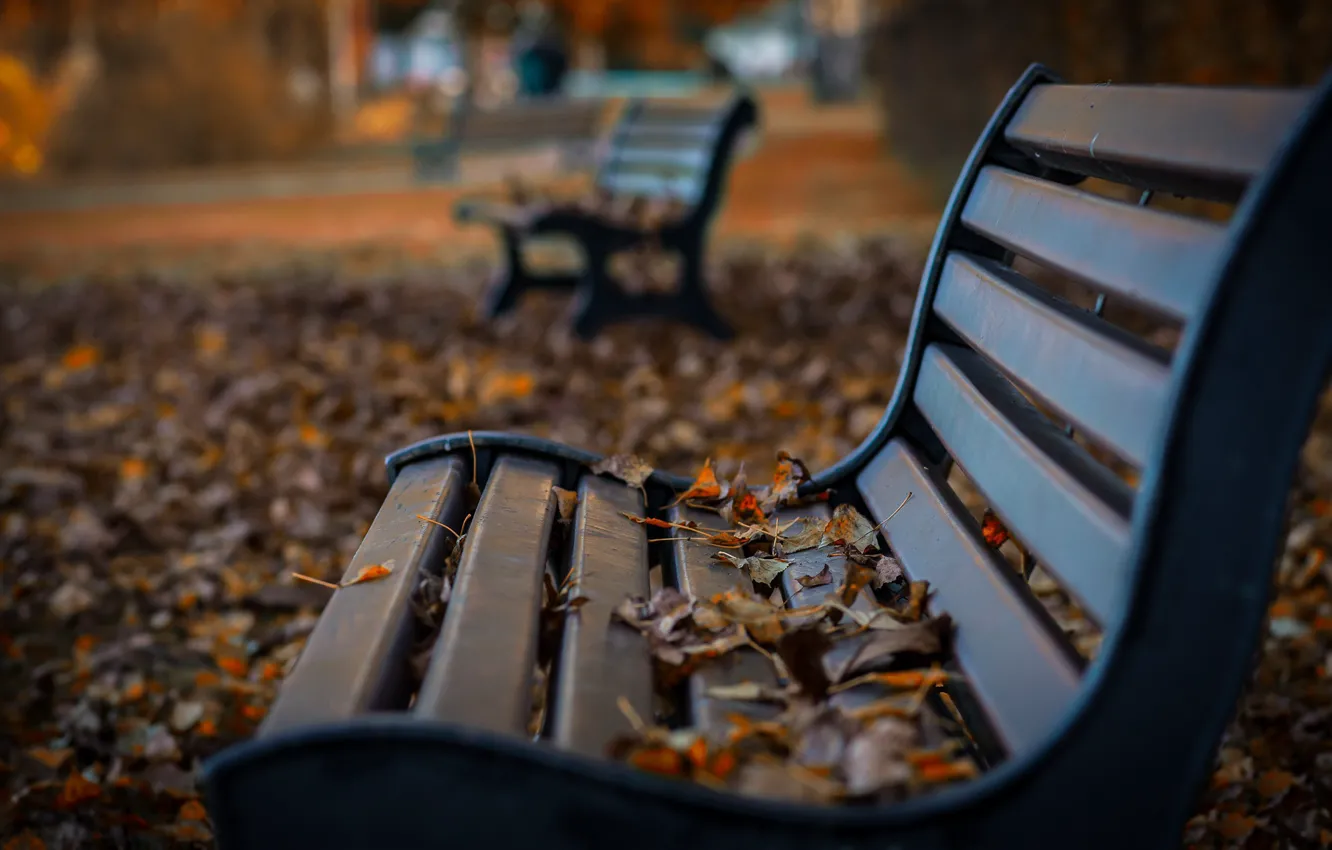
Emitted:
pixel 1173 561
pixel 662 152
pixel 569 125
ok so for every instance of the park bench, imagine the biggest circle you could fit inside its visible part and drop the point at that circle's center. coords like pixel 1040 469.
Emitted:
pixel 1002 380
pixel 661 152
pixel 569 125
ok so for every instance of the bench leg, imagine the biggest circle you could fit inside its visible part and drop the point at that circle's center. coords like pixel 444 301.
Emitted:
pixel 694 300
pixel 601 301
pixel 514 278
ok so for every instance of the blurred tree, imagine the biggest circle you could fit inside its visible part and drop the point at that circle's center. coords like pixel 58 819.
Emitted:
pixel 942 66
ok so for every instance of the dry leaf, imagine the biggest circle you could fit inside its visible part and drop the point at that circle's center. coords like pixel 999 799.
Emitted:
pixel 821 578
pixel 631 469
pixel 567 503
pixel 808 536
pixel 876 758
pixel 746 692
pixel 848 528
pixel 372 572
pixel 887 570
pixel 927 638
pixel 993 530
pixel 705 486
pixel 786 480
pixel 758 568
pixel 802 651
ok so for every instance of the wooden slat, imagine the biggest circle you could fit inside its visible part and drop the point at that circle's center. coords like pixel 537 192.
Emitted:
pixel 356 660
pixel 651 185
pixel 697 574
pixel 481 672
pixel 1069 510
pixel 1110 383
pixel 601 661
pixel 668 159
pixel 1205 141
pixel 1156 259
pixel 1024 675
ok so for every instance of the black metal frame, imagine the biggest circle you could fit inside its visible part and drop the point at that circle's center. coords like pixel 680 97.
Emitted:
pixel 1123 767
pixel 600 300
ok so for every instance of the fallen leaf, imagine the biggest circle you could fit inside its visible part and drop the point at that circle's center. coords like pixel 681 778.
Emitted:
pixel 887 570
pixel 51 758
pixel 192 810
pixel 758 568
pixel 993 530
pixel 789 474
pixel 566 502
pixel 802 651
pixel 809 535
pixel 77 790
pixel 926 638
pixel 629 468
pixel 80 357
pixel 746 692
pixel 876 758
pixel 705 486
pixel 25 840
pixel 372 572
pixel 821 578
pixel 848 528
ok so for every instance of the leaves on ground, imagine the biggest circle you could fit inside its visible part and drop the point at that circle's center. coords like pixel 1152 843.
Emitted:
pixel 631 469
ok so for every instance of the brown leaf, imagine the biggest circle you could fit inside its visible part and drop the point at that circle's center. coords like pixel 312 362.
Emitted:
pixel 876 758
pixel 758 568
pixel 802 651
pixel 786 480
pixel 848 528
pixel 823 577
pixel 629 468
pixel 746 692
pixel 808 536
pixel 927 638
pixel 887 570
pixel 567 503
pixel 705 486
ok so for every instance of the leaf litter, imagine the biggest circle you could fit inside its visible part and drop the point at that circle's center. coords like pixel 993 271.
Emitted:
pixel 153 505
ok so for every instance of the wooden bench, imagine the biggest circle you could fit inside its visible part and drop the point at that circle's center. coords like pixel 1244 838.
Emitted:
pixel 659 151
pixel 569 125
pixel 1173 563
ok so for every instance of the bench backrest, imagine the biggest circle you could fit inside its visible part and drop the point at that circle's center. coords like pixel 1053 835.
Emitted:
pixel 1172 559
pixel 570 124
pixel 661 149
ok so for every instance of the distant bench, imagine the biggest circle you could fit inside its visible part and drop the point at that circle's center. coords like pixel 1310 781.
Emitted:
pixel 672 154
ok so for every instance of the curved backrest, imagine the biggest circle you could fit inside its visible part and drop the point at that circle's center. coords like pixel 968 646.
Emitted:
pixel 1150 481
pixel 662 149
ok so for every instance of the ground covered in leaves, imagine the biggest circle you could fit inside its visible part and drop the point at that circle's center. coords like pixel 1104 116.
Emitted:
pixel 172 450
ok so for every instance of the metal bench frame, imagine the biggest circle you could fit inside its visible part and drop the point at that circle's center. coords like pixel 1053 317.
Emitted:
pixel 1107 756
pixel 650 140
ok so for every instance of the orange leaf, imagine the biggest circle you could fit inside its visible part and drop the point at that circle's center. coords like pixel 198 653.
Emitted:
pixel 371 573
pixel 1274 783
pixel 661 760
pixel 993 530
pixel 705 486
pixel 1234 826
pixel 133 469
pixel 652 521
pixel 722 764
pixel 193 810
pixel 947 771
pixel 698 753
pixel 81 357
pixel 77 790
pixel 313 437
pixel 233 665
pixel 25 840
pixel 746 509
pixel 51 758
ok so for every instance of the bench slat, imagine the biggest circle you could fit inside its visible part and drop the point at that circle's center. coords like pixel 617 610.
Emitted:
pixel 1156 259
pixel 1113 385
pixel 1068 509
pixel 704 578
pixel 356 659
pixel 685 187
pixel 1205 141
pixel 481 672
pixel 1024 675
pixel 680 159
pixel 601 661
